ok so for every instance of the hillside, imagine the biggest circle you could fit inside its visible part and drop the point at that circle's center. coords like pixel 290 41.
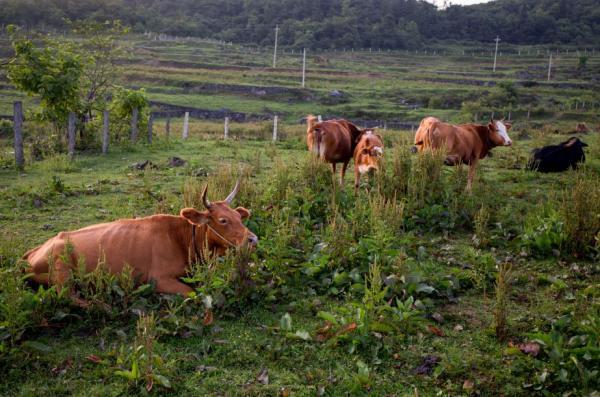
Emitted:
pixel 400 24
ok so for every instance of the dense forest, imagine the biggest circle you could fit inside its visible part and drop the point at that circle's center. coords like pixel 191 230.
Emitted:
pixel 328 23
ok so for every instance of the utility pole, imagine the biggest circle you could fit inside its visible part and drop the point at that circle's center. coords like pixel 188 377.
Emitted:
pixel 550 67
pixel 275 49
pixel 303 67
pixel 496 53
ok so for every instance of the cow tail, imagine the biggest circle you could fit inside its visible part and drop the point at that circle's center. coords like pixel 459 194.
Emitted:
pixel 318 139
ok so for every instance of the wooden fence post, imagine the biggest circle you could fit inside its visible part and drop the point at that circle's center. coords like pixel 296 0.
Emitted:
pixel 150 122
pixel 71 135
pixel 168 127
pixel 226 128
pixel 275 128
pixel 105 132
pixel 134 125
pixel 186 125
pixel 18 130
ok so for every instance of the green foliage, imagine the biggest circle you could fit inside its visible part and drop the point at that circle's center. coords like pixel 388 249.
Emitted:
pixel 570 362
pixel 385 24
pixel 544 231
pixel 580 210
pixel 501 307
pixel 121 110
pixel 145 366
pixel 53 72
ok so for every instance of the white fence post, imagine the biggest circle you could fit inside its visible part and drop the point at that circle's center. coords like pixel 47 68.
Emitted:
pixel 186 125
pixel 134 121
pixel 275 128
pixel 150 125
pixel 71 135
pixel 226 128
pixel 303 67
pixel 18 130
pixel 105 131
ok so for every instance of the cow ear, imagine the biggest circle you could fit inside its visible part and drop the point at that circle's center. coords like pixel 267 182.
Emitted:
pixel 243 212
pixel 194 216
pixel 507 125
pixel 492 126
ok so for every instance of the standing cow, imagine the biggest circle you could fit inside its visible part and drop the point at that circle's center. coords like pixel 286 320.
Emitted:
pixel 333 141
pixel 367 154
pixel 158 248
pixel 557 158
pixel 464 143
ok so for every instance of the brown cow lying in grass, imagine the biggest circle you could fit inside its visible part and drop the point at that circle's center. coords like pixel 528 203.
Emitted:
pixel 464 143
pixel 158 248
pixel 333 141
pixel 367 154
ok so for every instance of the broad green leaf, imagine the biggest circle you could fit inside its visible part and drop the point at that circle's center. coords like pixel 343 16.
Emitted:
pixel 37 346
pixel 327 317
pixel 162 380
pixel 285 323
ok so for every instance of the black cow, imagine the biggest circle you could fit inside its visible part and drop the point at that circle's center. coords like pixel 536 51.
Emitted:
pixel 557 158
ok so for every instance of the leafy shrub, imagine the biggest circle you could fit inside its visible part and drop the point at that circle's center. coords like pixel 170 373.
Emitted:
pixel 6 128
pixel 570 359
pixel 544 231
pixel 121 110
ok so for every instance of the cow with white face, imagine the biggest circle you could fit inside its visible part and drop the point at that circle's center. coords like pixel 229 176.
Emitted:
pixel 464 143
pixel 367 154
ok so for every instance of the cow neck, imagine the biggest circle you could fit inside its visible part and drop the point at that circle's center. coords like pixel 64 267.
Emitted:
pixel 198 258
pixel 484 134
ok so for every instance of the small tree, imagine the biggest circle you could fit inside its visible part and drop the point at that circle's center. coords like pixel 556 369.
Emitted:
pixel 52 72
pixel 121 107
pixel 99 50
pixel 68 75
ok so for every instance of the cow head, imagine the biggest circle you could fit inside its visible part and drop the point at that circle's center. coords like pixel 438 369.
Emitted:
pixel 498 132
pixel 574 142
pixel 224 227
pixel 369 151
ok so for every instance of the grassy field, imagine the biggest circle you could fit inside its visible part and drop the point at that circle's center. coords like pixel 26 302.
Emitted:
pixel 398 85
pixel 410 287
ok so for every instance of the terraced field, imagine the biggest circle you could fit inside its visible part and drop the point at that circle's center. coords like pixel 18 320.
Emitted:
pixel 363 85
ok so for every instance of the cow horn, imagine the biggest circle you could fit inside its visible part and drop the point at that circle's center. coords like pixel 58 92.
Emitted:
pixel 205 199
pixel 231 195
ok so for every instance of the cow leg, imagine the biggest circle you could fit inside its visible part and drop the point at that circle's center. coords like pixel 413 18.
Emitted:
pixel 471 176
pixel 333 169
pixel 172 286
pixel 356 177
pixel 344 166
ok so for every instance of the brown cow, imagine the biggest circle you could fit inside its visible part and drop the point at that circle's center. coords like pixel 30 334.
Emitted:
pixel 464 143
pixel 158 248
pixel 332 141
pixel 367 154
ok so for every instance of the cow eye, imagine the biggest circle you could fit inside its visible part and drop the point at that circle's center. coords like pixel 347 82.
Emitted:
pixel 223 221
